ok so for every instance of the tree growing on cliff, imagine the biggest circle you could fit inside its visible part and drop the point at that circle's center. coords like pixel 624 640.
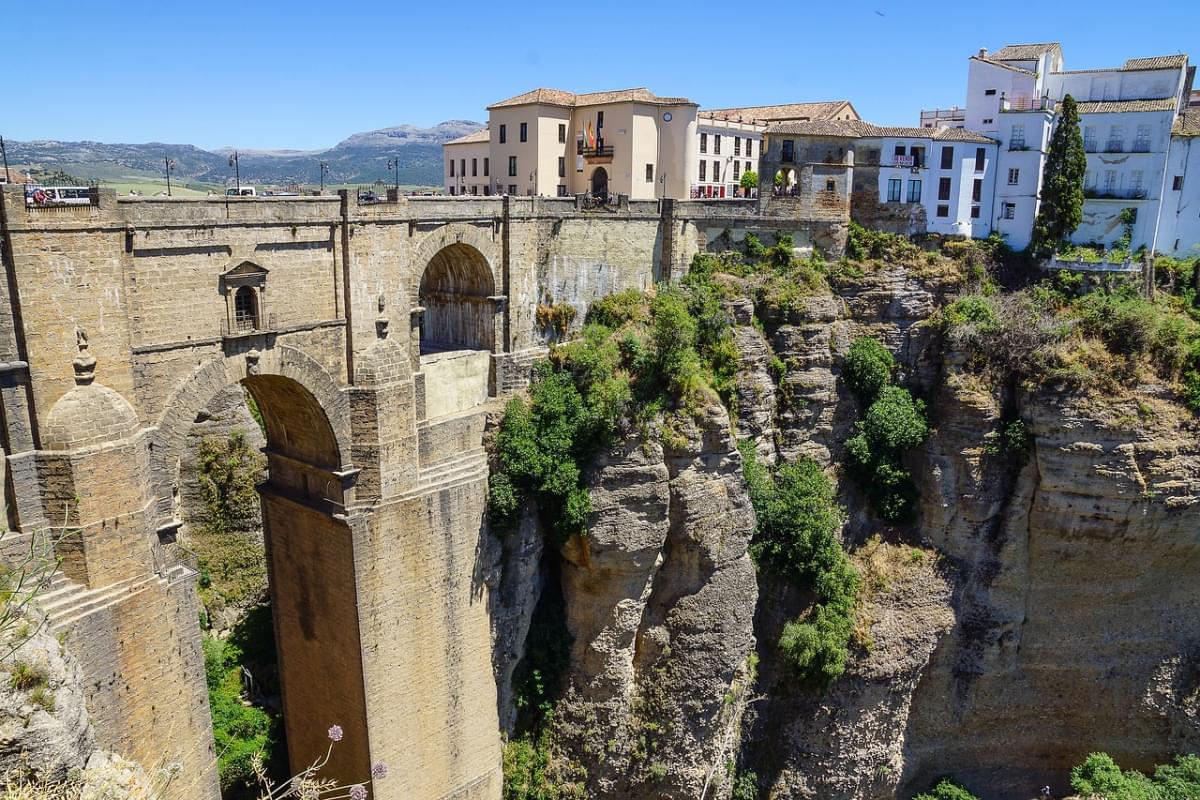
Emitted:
pixel 1062 183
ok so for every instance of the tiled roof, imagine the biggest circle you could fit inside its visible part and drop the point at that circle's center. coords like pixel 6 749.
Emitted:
pixel 799 112
pixel 1002 65
pixel 557 97
pixel 1157 62
pixel 857 129
pixel 1187 124
pixel 1024 52
pixel 481 135
pixel 1117 106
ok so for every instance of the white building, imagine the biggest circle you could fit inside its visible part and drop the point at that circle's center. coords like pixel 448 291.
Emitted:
pixel 1135 141
pixel 467 168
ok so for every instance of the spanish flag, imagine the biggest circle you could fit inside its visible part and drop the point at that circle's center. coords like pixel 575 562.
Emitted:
pixel 591 136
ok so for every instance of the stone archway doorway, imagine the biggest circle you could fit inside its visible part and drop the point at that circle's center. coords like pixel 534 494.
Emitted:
pixel 457 292
pixel 600 183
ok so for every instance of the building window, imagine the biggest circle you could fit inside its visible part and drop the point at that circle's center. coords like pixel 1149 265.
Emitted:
pixel 943 211
pixel 562 167
pixel 988 121
pixel 716 144
pixel 474 167
pixel 475 190
pixel 894 190
pixel 914 191
pixel 1177 183
pixel 749 148
pixel 485 166
pixel 512 188
pixel 1135 183
pixel 503 134
pixel 977 190
pixel 1141 143
pixel 512 166
pixel 1010 210
pixel 649 173
pixel 1089 138
pixel 703 170
pixel 562 190
pixel 736 171
pixel 704 143
pixel 1110 181
pixel 452 191
pixel 789 150
pixel 1116 139
pixel 947 157
pixel 989 92
pixel 899 151
pixel 918 155
pixel 943 189
pixel 462 167
pixel 1014 176
pixel 487 191
pixel 737 145
pixel 748 167
pixel 974 212
pixel 1016 137
pixel 829 186
pixel 562 133
pixel 980 157
pixel 245 309
pixel 524 131
pixel 452 168
pixel 716 171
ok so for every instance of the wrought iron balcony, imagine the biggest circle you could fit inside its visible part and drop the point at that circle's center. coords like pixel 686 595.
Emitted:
pixel 1114 146
pixel 1114 194
pixel 600 151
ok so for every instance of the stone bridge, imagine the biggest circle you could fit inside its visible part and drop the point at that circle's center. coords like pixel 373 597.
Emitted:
pixel 369 336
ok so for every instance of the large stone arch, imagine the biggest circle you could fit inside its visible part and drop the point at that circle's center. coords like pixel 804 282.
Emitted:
pixel 169 436
pixel 309 532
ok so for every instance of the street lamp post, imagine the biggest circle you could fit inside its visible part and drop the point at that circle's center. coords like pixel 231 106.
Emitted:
pixel 324 165
pixel 394 164
pixel 237 172
pixel 170 165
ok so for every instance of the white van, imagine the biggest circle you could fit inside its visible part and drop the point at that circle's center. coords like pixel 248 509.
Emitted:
pixel 245 191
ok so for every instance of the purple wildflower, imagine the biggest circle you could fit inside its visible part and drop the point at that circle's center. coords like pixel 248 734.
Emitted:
pixel 358 792
pixel 379 771
pixel 335 733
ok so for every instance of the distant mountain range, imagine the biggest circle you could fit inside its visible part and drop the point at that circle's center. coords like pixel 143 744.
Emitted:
pixel 360 158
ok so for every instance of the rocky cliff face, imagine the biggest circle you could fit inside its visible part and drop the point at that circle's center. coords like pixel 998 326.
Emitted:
pixel 1043 606
pixel 660 597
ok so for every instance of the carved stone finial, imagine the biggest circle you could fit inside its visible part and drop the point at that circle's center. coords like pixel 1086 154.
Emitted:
pixel 381 322
pixel 85 362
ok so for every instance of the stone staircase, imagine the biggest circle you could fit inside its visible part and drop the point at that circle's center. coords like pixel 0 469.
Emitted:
pixel 457 470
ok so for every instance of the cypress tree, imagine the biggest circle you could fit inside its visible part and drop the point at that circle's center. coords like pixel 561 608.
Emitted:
pixel 1062 183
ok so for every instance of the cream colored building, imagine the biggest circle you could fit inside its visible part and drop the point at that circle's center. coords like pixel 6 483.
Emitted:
pixel 467 164
pixel 556 143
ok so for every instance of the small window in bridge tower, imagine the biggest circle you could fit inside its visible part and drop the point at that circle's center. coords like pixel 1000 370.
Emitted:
pixel 245 309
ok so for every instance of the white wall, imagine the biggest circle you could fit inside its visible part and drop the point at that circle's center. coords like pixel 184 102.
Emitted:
pixel 1179 225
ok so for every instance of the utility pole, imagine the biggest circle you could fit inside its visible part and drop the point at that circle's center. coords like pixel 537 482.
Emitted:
pixel 169 165
pixel 324 166
pixel 237 173
pixel 4 153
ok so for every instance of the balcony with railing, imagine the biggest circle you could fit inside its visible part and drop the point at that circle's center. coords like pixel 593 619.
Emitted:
pixel 1017 144
pixel 1114 146
pixel 1027 104
pixel 1141 146
pixel 907 162
pixel 1096 193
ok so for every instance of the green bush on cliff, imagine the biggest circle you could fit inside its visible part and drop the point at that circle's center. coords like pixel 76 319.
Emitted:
pixel 637 356
pixel 946 789
pixel 1100 777
pixel 239 731
pixel 894 422
pixel 796 537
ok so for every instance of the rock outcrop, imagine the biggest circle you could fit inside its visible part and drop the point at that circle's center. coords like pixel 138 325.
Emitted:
pixel 660 596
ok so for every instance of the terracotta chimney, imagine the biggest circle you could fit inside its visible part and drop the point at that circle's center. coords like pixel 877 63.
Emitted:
pixel 983 52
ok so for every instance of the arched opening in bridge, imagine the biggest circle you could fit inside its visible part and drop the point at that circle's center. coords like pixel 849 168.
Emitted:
pixel 600 183
pixel 456 291
pixel 261 498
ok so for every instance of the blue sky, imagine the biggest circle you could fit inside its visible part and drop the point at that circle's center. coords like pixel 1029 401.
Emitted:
pixel 306 74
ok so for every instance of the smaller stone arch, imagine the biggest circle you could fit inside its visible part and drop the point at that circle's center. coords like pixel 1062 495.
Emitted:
pixel 458 293
pixel 481 239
